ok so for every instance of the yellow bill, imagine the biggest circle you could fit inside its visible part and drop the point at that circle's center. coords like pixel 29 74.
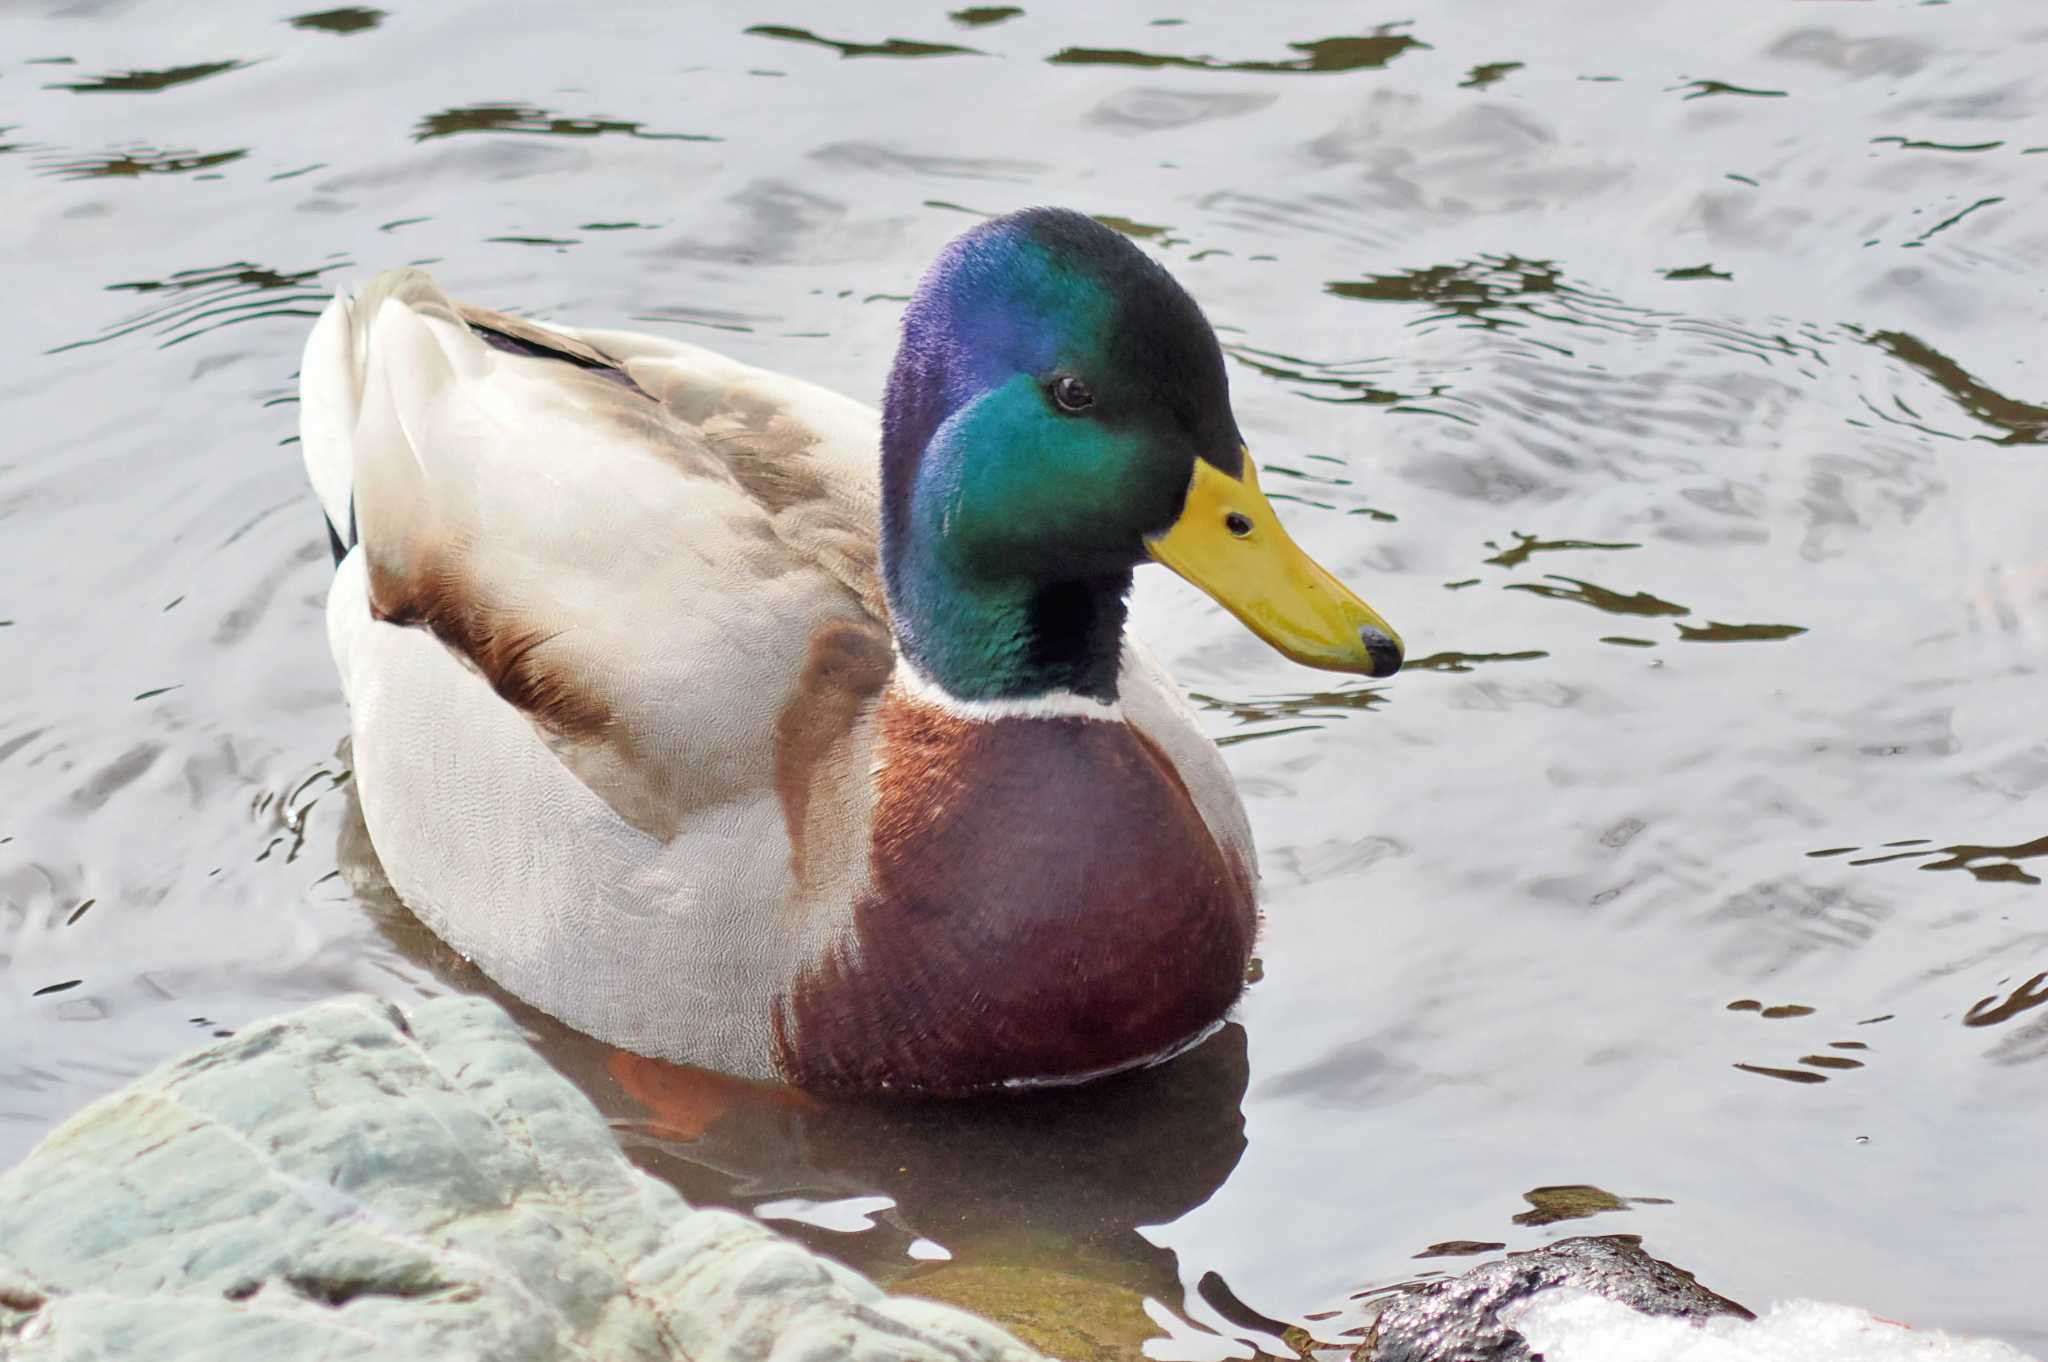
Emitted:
pixel 1229 542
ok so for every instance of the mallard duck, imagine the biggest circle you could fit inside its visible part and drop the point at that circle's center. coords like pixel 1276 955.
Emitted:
pixel 699 726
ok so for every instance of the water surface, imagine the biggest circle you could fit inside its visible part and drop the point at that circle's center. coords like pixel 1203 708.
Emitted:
pixel 1671 377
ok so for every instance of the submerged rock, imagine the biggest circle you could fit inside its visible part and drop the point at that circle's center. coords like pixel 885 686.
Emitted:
pixel 343 1183
pixel 1465 1318
pixel 1074 1316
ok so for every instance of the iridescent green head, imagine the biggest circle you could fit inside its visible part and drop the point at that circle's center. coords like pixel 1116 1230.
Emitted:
pixel 1056 404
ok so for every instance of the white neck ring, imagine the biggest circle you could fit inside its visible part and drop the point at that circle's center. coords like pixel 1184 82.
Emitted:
pixel 1053 704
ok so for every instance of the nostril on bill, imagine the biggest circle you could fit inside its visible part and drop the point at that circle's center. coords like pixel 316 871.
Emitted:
pixel 1384 652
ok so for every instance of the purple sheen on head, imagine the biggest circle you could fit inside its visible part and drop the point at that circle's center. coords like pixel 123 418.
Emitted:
pixel 991 530
pixel 1015 294
pixel 988 306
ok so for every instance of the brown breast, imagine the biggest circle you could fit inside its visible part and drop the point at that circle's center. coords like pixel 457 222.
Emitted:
pixel 1046 902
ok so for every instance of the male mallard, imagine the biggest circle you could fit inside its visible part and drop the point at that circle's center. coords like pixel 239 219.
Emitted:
pixel 640 728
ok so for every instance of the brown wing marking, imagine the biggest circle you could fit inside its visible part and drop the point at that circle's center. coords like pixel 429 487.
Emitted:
pixel 767 453
pixel 821 770
pixel 505 647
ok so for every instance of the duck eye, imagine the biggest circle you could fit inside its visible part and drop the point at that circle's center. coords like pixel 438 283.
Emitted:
pixel 1070 394
pixel 1238 523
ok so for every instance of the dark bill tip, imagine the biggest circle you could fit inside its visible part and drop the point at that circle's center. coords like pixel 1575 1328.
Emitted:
pixel 1384 652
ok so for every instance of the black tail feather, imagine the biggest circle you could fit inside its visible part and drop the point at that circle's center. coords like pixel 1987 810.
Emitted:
pixel 335 543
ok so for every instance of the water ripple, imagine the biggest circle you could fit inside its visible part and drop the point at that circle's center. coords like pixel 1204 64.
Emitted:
pixel 1368 52
pixel 889 47
pixel 149 82
pixel 195 302
pixel 531 119
pixel 350 19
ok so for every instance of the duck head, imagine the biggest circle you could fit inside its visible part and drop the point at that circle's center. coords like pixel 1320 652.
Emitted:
pixel 1058 415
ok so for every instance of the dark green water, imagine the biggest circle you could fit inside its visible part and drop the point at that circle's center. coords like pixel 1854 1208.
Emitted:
pixel 1671 375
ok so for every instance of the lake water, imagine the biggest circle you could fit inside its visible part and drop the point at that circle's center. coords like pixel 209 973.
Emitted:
pixel 1669 374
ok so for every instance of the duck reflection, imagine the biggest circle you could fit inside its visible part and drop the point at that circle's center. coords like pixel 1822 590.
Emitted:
pixel 1056 1179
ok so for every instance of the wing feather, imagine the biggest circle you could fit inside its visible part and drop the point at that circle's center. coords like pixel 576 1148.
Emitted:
pixel 644 588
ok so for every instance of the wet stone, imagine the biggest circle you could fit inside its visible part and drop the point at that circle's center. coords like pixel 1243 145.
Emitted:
pixel 346 1181
pixel 1459 1320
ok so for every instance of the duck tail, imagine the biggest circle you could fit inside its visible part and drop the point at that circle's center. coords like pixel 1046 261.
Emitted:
pixel 332 376
pixel 329 395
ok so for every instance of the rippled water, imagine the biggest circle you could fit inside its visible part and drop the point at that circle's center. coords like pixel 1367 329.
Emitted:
pixel 1669 374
